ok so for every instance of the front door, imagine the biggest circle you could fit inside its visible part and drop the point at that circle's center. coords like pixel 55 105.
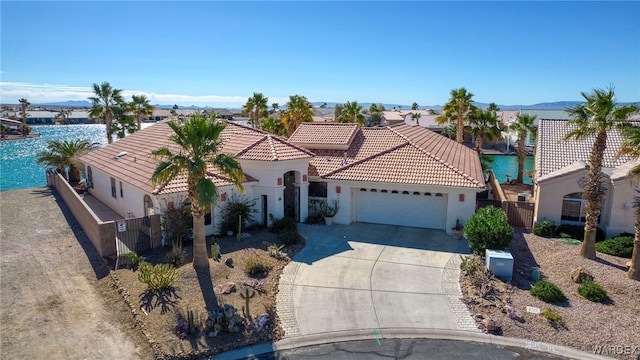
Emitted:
pixel 291 196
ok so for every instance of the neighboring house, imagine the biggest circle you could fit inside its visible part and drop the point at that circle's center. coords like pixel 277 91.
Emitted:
pixel 403 175
pixel 561 173
pixel 158 115
pixel 399 175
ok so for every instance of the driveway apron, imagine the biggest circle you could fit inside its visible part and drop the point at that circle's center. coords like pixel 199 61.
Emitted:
pixel 372 277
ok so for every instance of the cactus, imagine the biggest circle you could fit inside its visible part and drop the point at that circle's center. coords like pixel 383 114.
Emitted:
pixel 157 277
pixel 191 323
pixel 247 298
pixel 225 318
pixel 215 251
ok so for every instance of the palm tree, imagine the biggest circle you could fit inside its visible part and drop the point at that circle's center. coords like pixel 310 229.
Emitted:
pixel 631 145
pixel 140 107
pixel 484 123
pixel 274 126
pixel 414 106
pixel 122 123
pixel 199 142
pixel 351 113
pixel 596 117
pixel 105 97
pixel 256 107
pixel 23 111
pixel 457 110
pixel 298 111
pixel 524 124
pixel 174 110
pixel 63 114
pixel 62 154
pixel 415 117
pixel 275 107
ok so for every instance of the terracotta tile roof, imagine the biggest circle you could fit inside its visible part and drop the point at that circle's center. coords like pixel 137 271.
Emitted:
pixel 137 165
pixel 401 154
pixel 324 135
pixel 554 154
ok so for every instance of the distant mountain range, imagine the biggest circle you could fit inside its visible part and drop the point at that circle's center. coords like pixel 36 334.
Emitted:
pixel 556 105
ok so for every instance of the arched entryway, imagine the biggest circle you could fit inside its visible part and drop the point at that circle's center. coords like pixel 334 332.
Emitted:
pixel 148 206
pixel 292 195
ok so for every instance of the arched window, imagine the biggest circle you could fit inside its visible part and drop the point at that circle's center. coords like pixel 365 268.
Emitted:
pixel 148 206
pixel 573 207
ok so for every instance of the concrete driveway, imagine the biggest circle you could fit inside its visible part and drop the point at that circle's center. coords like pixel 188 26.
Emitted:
pixel 373 278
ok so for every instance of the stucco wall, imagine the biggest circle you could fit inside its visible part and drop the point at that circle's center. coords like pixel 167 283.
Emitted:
pixel 130 204
pixel 614 219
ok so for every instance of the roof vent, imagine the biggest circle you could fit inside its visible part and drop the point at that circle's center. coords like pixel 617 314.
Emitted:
pixel 120 155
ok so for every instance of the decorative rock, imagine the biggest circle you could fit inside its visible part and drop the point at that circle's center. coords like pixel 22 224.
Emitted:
pixel 513 314
pixel 229 262
pixel 226 288
pixel 580 274
pixel 489 325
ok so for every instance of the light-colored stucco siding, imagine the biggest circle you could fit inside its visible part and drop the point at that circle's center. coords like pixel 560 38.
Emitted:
pixel 130 204
pixel 623 216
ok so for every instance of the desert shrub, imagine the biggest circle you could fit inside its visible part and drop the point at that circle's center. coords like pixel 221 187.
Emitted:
pixel 276 251
pixel 477 275
pixel 621 246
pixel 282 224
pixel 175 256
pixel 255 266
pixel 545 228
pixel 177 223
pixel 547 292
pixel 471 264
pixel 488 228
pixel 570 241
pixel 225 319
pixel 577 232
pixel 553 317
pixel 592 291
pixel 157 277
pixel 237 206
pixel 134 259
pixel 289 237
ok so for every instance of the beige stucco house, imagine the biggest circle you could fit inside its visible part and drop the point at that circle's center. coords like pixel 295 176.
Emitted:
pixel 561 168
pixel 404 175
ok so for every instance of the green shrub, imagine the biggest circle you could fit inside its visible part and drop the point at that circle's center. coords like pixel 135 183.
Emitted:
pixel 157 277
pixel 471 264
pixel 282 224
pixel 134 259
pixel 237 206
pixel 547 292
pixel 177 223
pixel 621 246
pixel 545 228
pixel 488 228
pixel 255 266
pixel 553 317
pixel 289 237
pixel 592 291
pixel 577 232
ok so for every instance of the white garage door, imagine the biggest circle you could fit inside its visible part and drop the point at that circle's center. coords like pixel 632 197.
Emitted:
pixel 426 210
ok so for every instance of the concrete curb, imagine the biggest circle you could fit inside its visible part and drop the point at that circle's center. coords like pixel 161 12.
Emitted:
pixel 399 333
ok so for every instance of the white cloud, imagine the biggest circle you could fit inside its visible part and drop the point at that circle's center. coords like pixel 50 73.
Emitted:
pixel 10 92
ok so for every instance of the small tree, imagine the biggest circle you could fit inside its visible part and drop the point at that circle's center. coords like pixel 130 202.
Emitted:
pixel 238 207
pixel 488 228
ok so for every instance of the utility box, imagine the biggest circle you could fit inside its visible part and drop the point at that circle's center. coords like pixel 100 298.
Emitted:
pixel 500 263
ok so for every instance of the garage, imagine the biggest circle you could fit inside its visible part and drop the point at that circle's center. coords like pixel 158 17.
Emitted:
pixel 404 208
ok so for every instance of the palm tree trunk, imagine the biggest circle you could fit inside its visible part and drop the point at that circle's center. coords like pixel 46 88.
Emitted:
pixel 74 175
pixel 520 158
pixel 460 127
pixel 139 120
pixel 634 269
pixel 108 119
pixel 200 258
pixel 479 141
pixel 594 192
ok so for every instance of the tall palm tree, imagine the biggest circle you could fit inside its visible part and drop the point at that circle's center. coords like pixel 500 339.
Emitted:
pixel 105 97
pixel 65 154
pixel 274 126
pixel 23 111
pixel 63 114
pixel 415 117
pixel 484 124
pixel 298 111
pixel 199 142
pixel 631 145
pixel 414 106
pixel 596 117
pixel 351 113
pixel 457 111
pixel 140 107
pixel 524 124
pixel 256 107
pixel 275 107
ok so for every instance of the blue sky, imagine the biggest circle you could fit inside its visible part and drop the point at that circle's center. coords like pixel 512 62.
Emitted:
pixel 219 53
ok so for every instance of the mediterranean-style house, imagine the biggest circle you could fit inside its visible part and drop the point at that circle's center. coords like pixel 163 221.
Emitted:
pixel 561 170
pixel 404 175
